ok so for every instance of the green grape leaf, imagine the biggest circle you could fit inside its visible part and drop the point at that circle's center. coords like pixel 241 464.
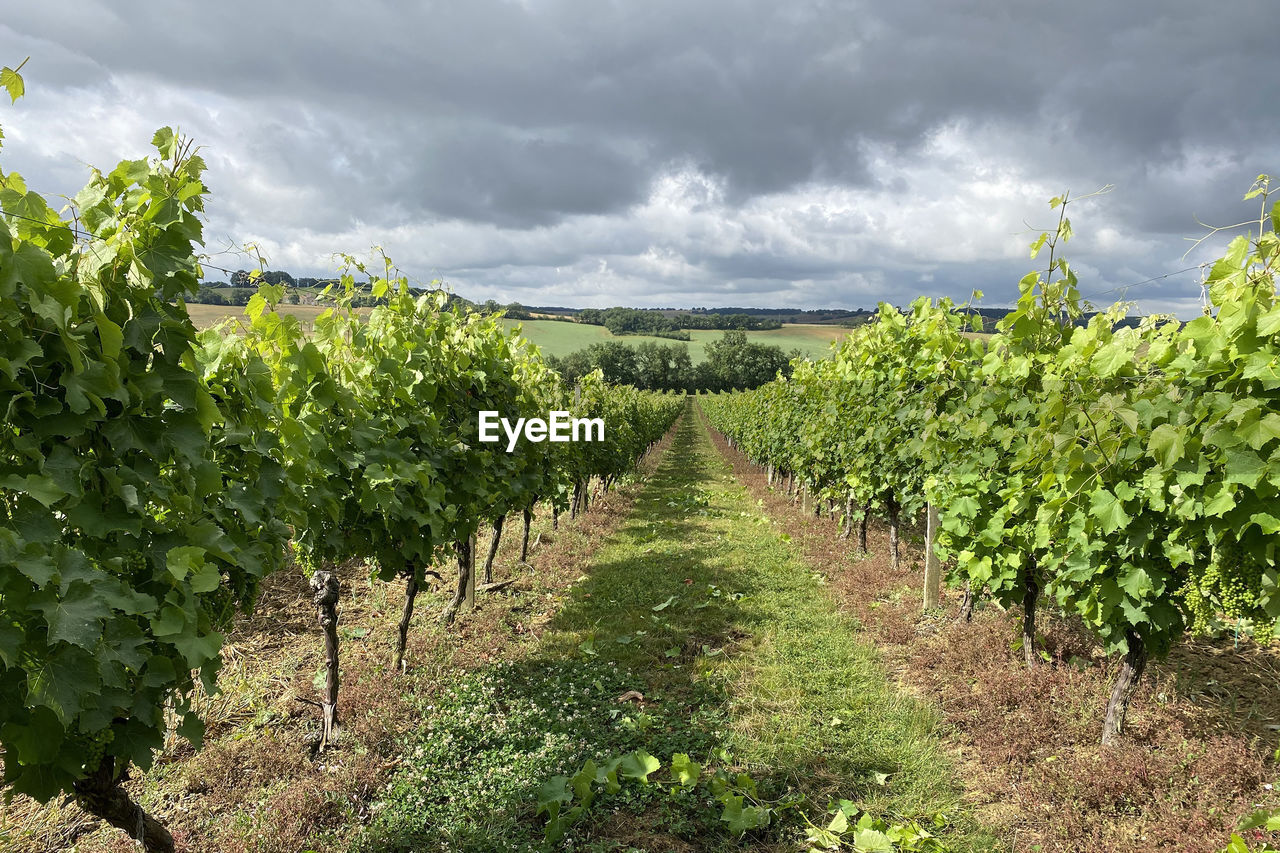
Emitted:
pixel 63 680
pixel 1107 508
pixel 13 83
pixel 684 771
pixel 872 841
pixel 38 486
pixel 741 817
pixel 1268 522
pixel 75 617
pixel 1165 445
pixel 638 765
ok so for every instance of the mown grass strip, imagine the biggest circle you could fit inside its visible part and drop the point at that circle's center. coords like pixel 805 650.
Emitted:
pixel 697 612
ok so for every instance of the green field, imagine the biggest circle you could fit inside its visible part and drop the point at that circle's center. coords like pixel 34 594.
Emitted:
pixel 559 339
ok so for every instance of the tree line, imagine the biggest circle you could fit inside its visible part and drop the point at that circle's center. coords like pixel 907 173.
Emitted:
pixel 651 321
pixel 733 362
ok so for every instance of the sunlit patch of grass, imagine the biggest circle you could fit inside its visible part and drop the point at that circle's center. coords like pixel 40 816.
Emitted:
pixel 698 606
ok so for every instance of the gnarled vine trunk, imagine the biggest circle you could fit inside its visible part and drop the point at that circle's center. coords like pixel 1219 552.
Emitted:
pixel 524 542
pixel 1029 598
pixel 100 795
pixel 1135 661
pixel 402 639
pixel 493 548
pixel 325 587
pixel 966 604
pixel 862 527
pixel 466 569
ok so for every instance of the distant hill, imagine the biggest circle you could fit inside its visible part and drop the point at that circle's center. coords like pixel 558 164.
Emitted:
pixel 241 288
pixel 991 316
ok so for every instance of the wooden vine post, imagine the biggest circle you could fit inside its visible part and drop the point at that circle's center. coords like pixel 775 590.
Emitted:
pixel 932 566
pixel 469 602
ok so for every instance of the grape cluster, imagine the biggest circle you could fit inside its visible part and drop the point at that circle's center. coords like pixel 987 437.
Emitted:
pixel 95 747
pixel 1227 586
pixel 1239 579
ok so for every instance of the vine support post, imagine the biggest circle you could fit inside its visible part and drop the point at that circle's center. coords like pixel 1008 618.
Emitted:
pixel 932 566
pixel 325 588
pixel 862 527
pixel 1131 667
pixel 101 795
pixel 469 603
pixel 894 550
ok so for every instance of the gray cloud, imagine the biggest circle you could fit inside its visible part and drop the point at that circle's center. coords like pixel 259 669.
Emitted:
pixel 827 152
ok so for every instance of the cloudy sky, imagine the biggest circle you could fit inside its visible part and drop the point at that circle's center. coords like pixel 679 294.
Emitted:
pixel 811 153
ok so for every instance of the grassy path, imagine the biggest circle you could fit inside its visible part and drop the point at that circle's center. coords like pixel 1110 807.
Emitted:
pixel 695 631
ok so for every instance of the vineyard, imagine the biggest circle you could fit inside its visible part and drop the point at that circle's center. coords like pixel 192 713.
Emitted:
pixel 154 477
pixel 936 591
pixel 1128 477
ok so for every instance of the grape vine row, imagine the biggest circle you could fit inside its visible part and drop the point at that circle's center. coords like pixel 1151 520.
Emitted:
pixel 1128 474
pixel 151 476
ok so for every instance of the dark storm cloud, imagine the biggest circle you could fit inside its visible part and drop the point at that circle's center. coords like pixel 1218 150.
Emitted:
pixel 538 135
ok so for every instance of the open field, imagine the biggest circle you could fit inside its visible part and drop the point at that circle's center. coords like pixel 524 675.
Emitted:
pixel 559 339
pixel 205 316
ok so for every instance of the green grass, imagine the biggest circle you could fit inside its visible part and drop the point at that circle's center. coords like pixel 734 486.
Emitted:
pixel 698 604
pixel 559 338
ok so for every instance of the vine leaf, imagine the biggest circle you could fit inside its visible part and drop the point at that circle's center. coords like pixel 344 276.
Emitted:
pixel 75 617
pixel 13 83
pixel 638 765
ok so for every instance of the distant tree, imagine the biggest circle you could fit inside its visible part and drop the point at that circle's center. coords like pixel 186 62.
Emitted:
pixel 616 360
pixel 277 277
pixel 663 367
pixel 737 362
pixel 208 296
